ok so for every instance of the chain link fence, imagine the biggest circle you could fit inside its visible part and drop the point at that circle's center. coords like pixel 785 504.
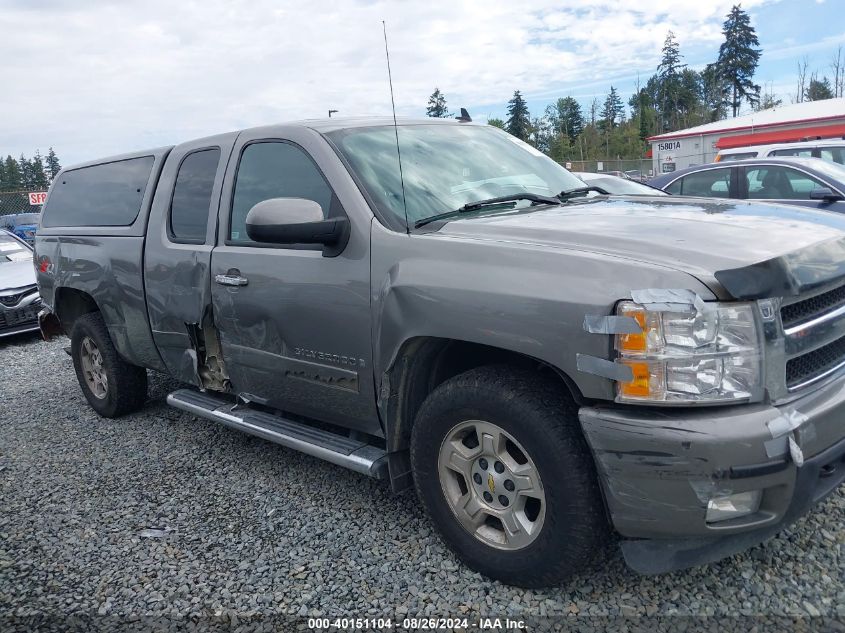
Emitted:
pixel 12 202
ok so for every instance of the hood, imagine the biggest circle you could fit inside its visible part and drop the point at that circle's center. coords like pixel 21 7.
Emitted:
pixel 16 274
pixel 699 236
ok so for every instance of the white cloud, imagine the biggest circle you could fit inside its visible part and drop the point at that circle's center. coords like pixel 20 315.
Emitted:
pixel 95 78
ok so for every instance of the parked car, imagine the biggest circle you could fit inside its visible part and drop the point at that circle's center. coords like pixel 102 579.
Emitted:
pixel 618 186
pixel 19 301
pixel 23 225
pixel 805 182
pixel 542 366
pixel 832 150
pixel 636 174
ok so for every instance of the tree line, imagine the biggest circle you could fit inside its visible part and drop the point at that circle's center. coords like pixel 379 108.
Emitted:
pixel 24 173
pixel 675 97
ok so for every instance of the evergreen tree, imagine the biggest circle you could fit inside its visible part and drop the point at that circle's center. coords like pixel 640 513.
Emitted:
pixel 437 105
pixel 13 175
pixel 612 109
pixel 714 91
pixel 2 175
pixel 53 166
pixel 818 89
pixel 496 123
pixel 27 176
pixel 738 59
pixel 669 82
pixel 39 178
pixel 519 119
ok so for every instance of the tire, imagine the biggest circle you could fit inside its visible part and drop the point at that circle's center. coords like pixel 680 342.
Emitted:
pixel 124 387
pixel 562 527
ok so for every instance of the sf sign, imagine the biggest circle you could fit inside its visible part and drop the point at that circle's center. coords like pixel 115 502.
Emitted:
pixel 37 197
pixel 666 147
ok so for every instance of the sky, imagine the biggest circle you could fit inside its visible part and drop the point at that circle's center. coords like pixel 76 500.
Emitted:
pixel 93 78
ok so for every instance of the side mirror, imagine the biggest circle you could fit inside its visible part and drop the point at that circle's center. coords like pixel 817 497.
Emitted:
pixel 296 221
pixel 824 193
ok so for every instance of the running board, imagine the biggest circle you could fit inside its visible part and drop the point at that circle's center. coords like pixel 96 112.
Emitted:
pixel 337 449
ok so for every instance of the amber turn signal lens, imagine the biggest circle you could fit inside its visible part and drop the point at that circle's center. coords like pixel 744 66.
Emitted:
pixel 640 386
pixel 633 342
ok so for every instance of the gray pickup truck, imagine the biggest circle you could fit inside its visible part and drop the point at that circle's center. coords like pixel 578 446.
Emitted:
pixel 550 368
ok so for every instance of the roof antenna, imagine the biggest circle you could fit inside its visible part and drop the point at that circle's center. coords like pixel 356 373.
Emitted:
pixel 396 129
pixel 465 117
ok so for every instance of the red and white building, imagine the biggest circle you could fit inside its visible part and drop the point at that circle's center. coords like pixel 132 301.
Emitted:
pixel 784 124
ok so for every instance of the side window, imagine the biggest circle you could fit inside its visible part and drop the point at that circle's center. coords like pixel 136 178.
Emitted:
pixel 711 183
pixel 833 154
pixel 191 203
pixel 675 187
pixel 795 151
pixel 274 170
pixel 108 194
pixel 779 183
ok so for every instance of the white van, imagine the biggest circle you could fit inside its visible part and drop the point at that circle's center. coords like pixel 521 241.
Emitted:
pixel 832 150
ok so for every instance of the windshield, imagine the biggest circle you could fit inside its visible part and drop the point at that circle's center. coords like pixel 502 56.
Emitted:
pixel 620 186
pixel 445 167
pixel 831 170
pixel 11 250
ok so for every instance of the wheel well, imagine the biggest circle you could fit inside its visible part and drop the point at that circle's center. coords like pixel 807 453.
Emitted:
pixel 70 304
pixel 426 362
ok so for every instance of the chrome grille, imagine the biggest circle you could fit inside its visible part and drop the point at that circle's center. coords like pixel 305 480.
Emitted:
pixel 802 311
pixel 814 330
pixel 13 300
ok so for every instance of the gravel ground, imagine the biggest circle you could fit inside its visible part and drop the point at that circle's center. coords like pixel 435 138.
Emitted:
pixel 244 527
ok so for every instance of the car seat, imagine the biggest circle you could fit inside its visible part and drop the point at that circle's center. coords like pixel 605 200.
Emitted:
pixel 775 185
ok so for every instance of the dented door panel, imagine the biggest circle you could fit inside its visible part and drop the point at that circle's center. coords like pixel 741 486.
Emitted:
pixel 295 332
pixel 176 272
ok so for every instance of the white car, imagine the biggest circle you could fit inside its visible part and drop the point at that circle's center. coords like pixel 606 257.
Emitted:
pixel 616 186
pixel 832 150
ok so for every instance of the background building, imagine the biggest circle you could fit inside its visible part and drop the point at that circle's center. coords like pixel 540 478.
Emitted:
pixel 784 124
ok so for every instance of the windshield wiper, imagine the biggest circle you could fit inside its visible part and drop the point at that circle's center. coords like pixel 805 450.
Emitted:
pixel 479 204
pixel 581 191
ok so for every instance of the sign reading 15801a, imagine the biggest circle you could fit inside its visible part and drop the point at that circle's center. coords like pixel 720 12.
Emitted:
pixel 37 197
pixel 663 147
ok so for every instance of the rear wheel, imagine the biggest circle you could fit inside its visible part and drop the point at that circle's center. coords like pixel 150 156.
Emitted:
pixel 112 386
pixel 503 471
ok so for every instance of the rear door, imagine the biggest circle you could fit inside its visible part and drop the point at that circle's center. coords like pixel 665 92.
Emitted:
pixel 180 238
pixel 295 326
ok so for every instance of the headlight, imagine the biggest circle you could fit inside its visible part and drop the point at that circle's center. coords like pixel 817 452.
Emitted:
pixel 707 354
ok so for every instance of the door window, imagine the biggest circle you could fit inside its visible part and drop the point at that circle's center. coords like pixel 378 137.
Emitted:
pixel 833 154
pixel 274 170
pixel 777 182
pixel 805 152
pixel 191 204
pixel 711 183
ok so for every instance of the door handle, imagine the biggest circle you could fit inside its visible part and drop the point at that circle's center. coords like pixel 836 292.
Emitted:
pixel 231 280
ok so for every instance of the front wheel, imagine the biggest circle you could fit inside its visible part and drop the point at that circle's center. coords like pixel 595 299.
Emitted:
pixel 112 386
pixel 505 474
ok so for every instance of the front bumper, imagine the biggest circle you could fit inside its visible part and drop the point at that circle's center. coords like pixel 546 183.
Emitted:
pixel 21 317
pixel 659 467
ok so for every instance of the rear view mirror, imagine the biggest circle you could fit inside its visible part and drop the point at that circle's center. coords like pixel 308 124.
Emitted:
pixel 296 221
pixel 825 193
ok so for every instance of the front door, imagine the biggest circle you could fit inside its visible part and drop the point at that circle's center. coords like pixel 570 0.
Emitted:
pixel 294 324
pixel 787 185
